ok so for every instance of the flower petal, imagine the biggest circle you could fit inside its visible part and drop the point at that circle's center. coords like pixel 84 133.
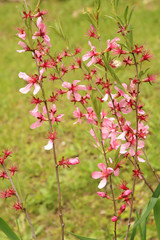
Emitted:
pixel 102 167
pixel 26 89
pixel 49 146
pixel 96 175
pixel 102 183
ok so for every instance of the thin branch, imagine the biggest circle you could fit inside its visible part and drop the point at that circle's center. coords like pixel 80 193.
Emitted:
pixel 154 172
pixel 20 201
pixel 54 153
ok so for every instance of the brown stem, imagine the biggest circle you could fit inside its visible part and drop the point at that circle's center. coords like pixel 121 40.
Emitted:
pixel 111 187
pixel 131 209
pixel 154 172
pixel 146 182
pixel 54 154
pixel 20 201
pixel 135 157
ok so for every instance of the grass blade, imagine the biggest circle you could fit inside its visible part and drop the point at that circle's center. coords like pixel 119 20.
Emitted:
pixel 5 228
pixel 82 238
pixel 157 216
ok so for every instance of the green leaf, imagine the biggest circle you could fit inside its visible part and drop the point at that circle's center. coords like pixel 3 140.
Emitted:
pixel 157 216
pixel 7 230
pixel 157 192
pixel 98 4
pixel 150 206
pixel 130 15
pixel 97 106
pixel 125 15
pixel 134 230
pixel 120 20
pixel 82 238
pixel 113 74
pixel 130 37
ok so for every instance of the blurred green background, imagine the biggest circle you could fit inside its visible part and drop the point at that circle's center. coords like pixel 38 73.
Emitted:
pixel 84 212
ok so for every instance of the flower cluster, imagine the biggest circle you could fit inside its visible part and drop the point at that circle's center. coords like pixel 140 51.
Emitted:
pixel 112 109
pixel 8 173
pixel 108 107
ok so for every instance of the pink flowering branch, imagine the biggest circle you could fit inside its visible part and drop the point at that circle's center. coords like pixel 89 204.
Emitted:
pixel 54 154
pixel 19 204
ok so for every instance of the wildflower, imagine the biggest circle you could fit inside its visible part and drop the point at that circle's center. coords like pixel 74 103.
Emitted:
pixel 114 219
pixel 122 208
pixel 32 81
pixel 42 32
pixel 21 34
pixel 52 137
pixel 69 161
pixel 41 118
pixel 104 173
pixel 91 54
pixel 73 88
pixel 18 206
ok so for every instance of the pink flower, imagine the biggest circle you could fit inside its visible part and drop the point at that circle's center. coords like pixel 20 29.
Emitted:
pixel 91 54
pixel 69 161
pixel 21 34
pixel 95 138
pixel 73 88
pixel 122 208
pixel 32 81
pixel 104 173
pixel 18 206
pixel 13 169
pixel 114 219
pixel 103 195
pixel 112 44
pixel 52 137
pixel 77 114
pixel 24 46
pixel 92 32
pixel 150 78
pixel 42 32
pixel 53 117
pixel 41 118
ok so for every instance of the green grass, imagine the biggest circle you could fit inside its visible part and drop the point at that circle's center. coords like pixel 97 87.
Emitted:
pixel 84 212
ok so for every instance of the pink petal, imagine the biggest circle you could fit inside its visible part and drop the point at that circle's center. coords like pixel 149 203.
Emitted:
pixel 105 97
pixel 141 144
pixel 81 87
pixel 96 175
pixel 75 82
pixel 74 161
pixel 124 147
pixel 26 89
pixel 36 88
pixel 49 146
pixel 69 94
pixel 102 167
pixel 34 110
pixel 89 63
pixel 39 22
pixel 116 172
pixel 77 96
pixel 140 159
pixel 102 183
pixel 36 124
pixel 109 170
pixel 44 110
pixel 85 57
pixel 131 151
pixel 24 76
pixel 66 85
pixel 101 194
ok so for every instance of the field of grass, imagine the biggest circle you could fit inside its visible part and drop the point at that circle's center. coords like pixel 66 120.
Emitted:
pixel 84 211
